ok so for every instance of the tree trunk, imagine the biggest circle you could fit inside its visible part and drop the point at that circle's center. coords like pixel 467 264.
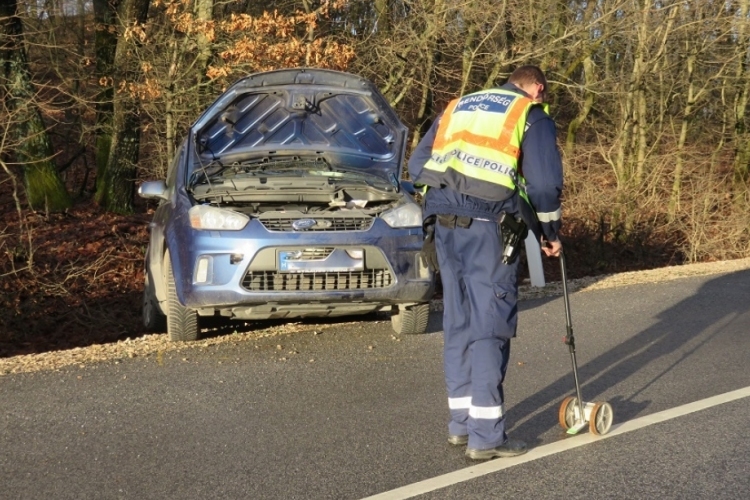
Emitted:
pixel 115 190
pixel 588 103
pixel 33 149
pixel 310 36
pixel 119 184
pixel 741 136
pixel 467 56
pixel 203 13
pixel 674 199
pixel 382 11
pixel 105 41
pixel 425 108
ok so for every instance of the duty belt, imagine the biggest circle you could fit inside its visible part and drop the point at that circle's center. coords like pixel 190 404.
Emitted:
pixel 453 221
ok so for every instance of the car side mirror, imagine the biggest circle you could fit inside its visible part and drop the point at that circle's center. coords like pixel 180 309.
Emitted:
pixel 153 190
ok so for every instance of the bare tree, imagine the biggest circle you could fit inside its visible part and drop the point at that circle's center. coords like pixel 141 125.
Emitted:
pixel 33 149
pixel 741 136
pixel 647 94
pixel 700 73
pixel 105 40
pixel 115 191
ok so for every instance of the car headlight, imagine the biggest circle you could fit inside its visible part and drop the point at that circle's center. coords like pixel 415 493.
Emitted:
pixel 206 217
pixel 408 215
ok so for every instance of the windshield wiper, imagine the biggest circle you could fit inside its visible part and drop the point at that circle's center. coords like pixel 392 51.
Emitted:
pixel 282 165
pixel 367 177
pixel 206 172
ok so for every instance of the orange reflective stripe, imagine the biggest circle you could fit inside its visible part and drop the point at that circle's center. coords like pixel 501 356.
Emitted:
pixel 441 134
pixel 519 107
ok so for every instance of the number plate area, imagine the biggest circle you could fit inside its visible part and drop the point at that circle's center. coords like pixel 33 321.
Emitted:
pixel 322 260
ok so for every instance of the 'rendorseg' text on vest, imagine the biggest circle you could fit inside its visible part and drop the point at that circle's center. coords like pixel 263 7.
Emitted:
pixel 478 144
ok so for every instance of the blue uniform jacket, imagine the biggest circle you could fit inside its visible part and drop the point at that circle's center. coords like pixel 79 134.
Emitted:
pixel 540 164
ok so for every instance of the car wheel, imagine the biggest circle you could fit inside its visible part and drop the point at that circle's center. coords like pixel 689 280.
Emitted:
pixel 153 319
pixel 182 322
pixel 412 320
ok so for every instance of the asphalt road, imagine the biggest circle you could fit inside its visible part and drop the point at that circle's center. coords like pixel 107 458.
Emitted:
pixel 354 411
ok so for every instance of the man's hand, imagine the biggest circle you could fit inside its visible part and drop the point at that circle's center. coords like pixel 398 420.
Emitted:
pixel 552 248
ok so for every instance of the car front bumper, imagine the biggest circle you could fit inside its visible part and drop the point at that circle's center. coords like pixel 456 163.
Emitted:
pixel 238 273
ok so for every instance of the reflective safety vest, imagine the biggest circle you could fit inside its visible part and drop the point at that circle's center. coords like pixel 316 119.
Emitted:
pixel 478 144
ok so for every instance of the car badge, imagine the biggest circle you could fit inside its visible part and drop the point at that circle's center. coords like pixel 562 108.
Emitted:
pixel 302 224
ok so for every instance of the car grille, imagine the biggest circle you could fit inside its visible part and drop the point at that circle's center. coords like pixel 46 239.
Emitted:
pixel 274 281
pixel 328 223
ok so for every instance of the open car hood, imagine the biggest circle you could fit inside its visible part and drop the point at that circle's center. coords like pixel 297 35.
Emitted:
pixel 339 117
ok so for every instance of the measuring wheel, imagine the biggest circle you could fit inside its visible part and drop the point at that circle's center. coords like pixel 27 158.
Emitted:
pixel 601 417
pixel 567 414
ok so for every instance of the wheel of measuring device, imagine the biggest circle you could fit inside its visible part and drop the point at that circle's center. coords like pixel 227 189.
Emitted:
pixel 567 413
pixel 601 418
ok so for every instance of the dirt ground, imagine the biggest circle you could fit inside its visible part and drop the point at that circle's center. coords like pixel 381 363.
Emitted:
pixel 84 283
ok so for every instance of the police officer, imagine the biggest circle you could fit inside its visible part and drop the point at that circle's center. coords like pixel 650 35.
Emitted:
pixel 490 152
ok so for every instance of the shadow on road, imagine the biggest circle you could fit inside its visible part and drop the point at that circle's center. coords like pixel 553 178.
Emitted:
pixel 684 323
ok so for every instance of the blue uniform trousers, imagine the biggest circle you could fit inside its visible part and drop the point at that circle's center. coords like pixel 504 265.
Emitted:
pixel 479 319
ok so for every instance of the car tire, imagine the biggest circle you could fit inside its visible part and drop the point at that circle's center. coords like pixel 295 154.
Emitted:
pixel 182 322
pixel 153 319
pixel 412 320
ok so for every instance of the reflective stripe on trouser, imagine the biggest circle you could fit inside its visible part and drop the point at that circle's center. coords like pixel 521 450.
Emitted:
pixel 479 318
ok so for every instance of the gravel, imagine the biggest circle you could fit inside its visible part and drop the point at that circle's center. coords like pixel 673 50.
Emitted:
pixel 159 344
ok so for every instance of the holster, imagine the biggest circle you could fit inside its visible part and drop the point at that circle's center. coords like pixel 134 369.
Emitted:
pixel 513 231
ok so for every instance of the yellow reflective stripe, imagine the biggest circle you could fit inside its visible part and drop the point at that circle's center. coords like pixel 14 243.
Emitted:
pixel 549 216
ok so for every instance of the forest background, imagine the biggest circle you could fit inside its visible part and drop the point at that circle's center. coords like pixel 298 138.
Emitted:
pixel 650 99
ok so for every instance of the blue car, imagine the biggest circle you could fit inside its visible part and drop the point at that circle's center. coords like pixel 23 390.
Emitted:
pixel 285 201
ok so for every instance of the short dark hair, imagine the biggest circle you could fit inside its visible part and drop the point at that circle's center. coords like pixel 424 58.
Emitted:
pixel 528 75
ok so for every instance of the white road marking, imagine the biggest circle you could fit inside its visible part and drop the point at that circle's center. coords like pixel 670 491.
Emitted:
pixel 495 465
